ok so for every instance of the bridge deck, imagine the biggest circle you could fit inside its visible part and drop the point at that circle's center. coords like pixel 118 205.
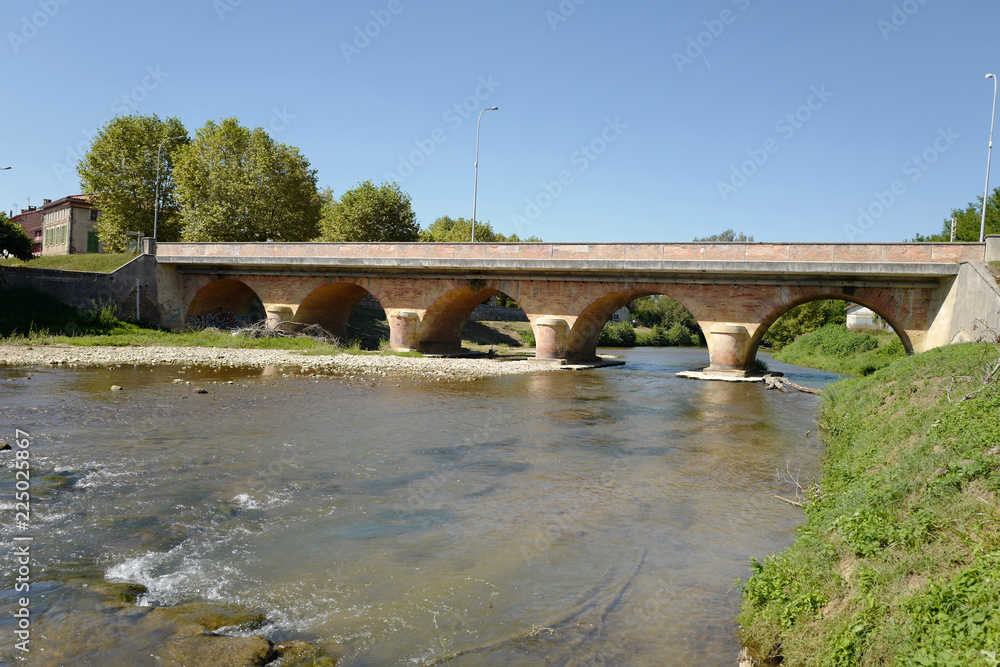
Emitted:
pixel 915 265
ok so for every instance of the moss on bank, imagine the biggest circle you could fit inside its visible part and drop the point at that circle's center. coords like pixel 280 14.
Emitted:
pixel 899 559
pixel 852 352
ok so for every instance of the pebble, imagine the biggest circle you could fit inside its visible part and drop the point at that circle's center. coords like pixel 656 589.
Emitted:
pixel 348 365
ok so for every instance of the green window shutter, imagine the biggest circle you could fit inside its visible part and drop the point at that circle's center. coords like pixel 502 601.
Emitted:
pixel 93 245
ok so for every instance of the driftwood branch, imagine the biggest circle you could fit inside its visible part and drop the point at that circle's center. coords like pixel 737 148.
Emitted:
pixel 989 370
pixel 790 502
pixel 289 329
pixel 782 384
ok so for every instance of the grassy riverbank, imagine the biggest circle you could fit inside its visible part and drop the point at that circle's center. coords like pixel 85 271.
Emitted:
pixel 98 263
pixel 835 348
pixel 898 562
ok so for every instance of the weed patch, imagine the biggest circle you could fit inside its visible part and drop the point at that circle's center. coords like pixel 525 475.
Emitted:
pixel 836 348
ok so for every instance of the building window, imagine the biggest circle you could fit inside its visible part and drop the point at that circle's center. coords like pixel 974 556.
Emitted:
pixel 93 213
pixel 93 244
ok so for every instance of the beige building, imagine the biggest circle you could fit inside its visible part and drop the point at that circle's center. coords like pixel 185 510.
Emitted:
pixel 69 226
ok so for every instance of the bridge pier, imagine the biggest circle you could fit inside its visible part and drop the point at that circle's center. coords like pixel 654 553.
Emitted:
pixel 551 336
pixel 729 350
pixel 404 330
pixel 277 315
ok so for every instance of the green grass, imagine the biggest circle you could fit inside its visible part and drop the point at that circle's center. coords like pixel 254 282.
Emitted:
pixel 485 335
pixel 130 334
pixel 852 352
pixel 98 263
pixel 898 562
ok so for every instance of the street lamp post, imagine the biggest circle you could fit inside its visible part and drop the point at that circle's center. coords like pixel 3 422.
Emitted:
pixel 475 192
pixel 156 197
pixel 989 155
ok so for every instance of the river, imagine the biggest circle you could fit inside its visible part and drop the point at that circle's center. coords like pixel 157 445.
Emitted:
pixel 588 517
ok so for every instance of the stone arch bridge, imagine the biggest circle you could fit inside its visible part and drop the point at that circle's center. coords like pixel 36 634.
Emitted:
pixel 930 293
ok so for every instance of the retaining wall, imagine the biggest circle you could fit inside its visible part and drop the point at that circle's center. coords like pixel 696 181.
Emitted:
pixel 86 289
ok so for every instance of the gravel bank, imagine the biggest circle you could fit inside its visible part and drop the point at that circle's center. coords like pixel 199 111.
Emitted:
pixel 374 365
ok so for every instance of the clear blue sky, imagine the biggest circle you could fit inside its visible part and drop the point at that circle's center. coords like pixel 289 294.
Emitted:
pixel 663 119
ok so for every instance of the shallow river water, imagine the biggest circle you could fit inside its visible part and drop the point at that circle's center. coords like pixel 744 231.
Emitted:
pixel 591 517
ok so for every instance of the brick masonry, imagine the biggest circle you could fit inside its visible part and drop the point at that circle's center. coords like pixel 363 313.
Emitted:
pixel 314 283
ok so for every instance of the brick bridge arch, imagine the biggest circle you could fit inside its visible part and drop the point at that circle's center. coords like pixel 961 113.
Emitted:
pixel 881 301
pixel 429 314
pixel 582 339
pixel 440 328
pixel 224 302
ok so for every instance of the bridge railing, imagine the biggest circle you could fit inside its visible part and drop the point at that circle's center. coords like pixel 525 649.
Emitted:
pixel 746 252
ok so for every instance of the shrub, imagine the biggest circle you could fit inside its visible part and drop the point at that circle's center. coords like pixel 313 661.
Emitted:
pixel 620 334
pixel 657 337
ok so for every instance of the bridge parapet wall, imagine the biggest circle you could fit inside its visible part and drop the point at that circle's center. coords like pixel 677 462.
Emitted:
pixel 743 252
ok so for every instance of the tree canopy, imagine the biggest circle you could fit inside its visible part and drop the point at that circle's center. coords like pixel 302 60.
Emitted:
pixel 238 184
pixel 728 236
pixel 969 221
pixel 13 241
pixel 450 230
pixel 120 171
pixel 369 213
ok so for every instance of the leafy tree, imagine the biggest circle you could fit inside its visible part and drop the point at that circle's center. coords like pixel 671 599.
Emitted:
pixel 969 221
pixel 13 241
pixel 449 230
pixel 803 319
pixel 728 236
pixel 672 324
pixel 667 314
pixel 238 184
pixel 120 168
pixel 369 213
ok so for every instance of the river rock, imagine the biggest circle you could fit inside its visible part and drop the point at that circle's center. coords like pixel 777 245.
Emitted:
pixel 110 630
pixel 207 649
pixel 115 387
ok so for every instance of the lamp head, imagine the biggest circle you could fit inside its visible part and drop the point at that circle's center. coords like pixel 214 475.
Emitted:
pixel 498 108
pixel 990 76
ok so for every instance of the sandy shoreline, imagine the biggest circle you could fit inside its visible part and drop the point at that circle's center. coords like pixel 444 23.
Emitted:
pixel 375 365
